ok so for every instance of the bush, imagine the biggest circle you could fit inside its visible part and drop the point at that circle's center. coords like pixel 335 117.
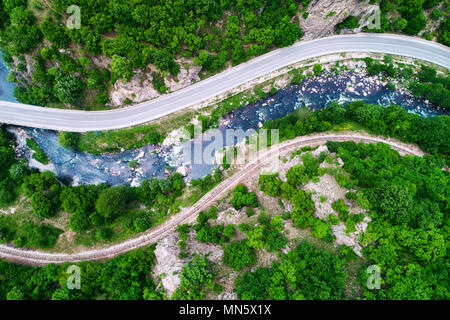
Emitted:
pixel 341 208
pixel 304 273
pixel 111 202
pixel 55 33
pixel 133 164
pixel 270 184
pixel 229 231
pixel 350 22
pixel 347 253
pixel 68 88
pixel 42 205
pixel 69 140
pixel 103 234
pixel 121 68
pixel 242 198
pixel 18 171
pixel 238 255
pixel 321 230
pixel 267 234
pixel 142 223
pixel 332 219
pixel 39 154
pixel 249 212
pixel 28 234
pixel 317 69
pixel 297 78
pixel 196 277
pixel 286 216
pixel 158 82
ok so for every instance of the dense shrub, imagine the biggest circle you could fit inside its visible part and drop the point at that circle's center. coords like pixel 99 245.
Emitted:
pixel 304 273
pixel 408 206
pixel 69 140
pixel 196 277
pixel 238 255
pixel 242 198
pixel 270 184
pixel 350 22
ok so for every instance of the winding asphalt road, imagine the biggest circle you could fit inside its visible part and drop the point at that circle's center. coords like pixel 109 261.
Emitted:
pixel 81 121
pixel 190 214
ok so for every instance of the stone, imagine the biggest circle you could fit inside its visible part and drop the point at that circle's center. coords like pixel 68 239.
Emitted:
pixel 182 170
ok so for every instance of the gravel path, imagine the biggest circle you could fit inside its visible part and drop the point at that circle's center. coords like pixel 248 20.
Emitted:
pixel 189 215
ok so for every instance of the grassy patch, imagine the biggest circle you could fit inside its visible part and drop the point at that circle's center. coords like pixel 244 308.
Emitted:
pixel 131 138
pixel 348 125
pixel 39 154
pixel 114 140
pixel 24 231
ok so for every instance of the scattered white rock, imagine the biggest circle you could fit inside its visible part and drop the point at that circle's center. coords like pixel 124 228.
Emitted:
pixel 140 155
pixel 182 170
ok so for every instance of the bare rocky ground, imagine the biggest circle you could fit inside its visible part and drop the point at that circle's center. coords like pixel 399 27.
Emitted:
pixel 328 187
pixel 140 88
pixel 169 265
pixel 318 25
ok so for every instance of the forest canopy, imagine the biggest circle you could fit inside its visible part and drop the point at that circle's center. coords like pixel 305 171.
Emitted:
pixel 134 33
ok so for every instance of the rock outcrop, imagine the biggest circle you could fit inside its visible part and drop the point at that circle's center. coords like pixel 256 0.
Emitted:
pixel 318 25
pixel 140 88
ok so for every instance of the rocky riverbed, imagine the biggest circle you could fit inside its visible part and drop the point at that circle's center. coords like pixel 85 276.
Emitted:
pixel 153 160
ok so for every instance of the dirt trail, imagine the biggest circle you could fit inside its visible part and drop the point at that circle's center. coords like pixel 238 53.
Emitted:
pixel 189 215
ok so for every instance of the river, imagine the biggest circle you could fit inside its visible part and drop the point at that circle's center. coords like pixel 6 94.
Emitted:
pixel 83 168
pixel 6 88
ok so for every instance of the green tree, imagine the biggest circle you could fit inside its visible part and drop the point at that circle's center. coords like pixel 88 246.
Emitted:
pixel 317 69
pixel 416 24
pixel 401 24
pixel 42 205
pixel 238 255
pixel 350 22
pixel 142 223
pixel 18 171
pixel 270 184
pixel 69 140
pixel 196 276
pixel 15 294
pixel 304 273
pixel 121 68
pixel 21 34
pixel 55 33
pixel 241 198
pixel 111 202
pixel 68 88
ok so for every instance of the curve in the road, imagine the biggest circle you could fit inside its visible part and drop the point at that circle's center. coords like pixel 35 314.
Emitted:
pixel 189 215
pixel 81 121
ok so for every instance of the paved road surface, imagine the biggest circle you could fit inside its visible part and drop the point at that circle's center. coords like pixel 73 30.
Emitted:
pixel 81 121
pixel 190 214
